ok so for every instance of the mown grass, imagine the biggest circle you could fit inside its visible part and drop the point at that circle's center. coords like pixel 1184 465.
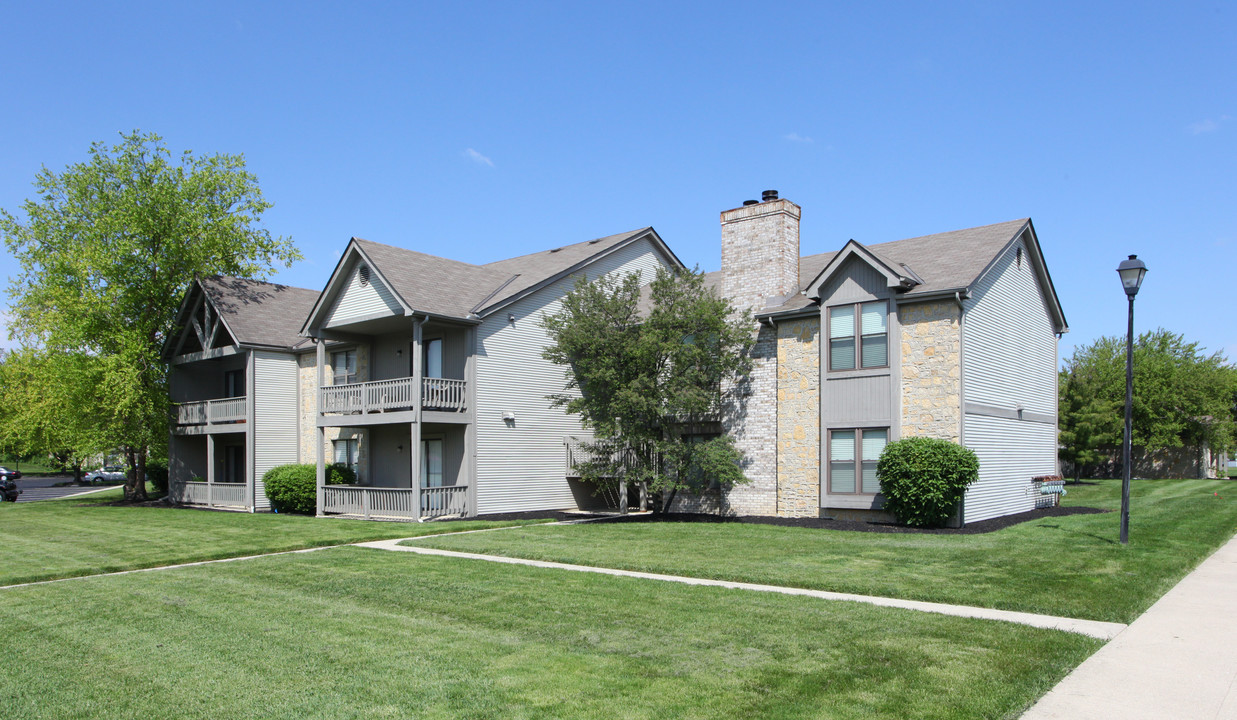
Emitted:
pixel 1071 566
pixel 356 633
pixel 89 535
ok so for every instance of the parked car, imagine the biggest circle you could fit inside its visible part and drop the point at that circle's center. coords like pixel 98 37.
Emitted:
pixel 10 474
pixel 107 473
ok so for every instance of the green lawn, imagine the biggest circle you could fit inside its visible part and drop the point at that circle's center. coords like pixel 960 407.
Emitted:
pixel 85 536
pixel 1071 566
pixel 357 633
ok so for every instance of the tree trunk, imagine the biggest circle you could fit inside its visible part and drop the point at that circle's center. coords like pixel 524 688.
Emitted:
pixel 667 500
pixel 135 478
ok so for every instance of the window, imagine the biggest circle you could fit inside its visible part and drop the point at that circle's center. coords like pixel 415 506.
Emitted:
pixel 343 363
pixel 851 450
pixel 859 336
pixel 346 453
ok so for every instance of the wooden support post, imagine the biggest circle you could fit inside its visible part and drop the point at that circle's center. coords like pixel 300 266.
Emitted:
pixel 623 495
pixel 210 470
pixel 414 439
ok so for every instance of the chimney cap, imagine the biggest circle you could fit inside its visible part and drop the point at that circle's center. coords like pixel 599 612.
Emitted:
pixel 768 195
pixel 750 202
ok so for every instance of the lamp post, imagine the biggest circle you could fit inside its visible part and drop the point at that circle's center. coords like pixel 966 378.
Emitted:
pixel 1131 272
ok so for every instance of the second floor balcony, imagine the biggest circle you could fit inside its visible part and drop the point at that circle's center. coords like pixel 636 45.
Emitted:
pixel 211 412
pixel 443 394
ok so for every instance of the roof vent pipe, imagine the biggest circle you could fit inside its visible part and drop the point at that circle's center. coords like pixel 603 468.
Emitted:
pixel 768 195
pixel 750 202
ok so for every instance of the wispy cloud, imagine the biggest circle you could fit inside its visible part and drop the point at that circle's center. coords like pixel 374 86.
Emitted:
pixel 1207 125
pixel 796 137
pixel 478 157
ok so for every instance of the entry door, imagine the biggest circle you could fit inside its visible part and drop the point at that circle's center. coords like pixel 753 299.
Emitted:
pixel 234 464
pixel 431 475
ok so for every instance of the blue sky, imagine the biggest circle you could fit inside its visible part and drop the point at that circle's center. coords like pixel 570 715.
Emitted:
pixel 479 131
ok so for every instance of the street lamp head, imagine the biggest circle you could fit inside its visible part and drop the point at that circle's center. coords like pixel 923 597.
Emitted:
pixel 1132 272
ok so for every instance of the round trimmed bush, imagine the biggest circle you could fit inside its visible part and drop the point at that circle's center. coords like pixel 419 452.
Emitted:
pixel 294 488
pixel 923 479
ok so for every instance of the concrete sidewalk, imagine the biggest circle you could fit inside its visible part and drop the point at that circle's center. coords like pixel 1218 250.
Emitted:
pixel 1178 660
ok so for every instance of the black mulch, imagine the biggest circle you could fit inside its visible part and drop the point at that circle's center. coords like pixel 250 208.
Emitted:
pixel 975 528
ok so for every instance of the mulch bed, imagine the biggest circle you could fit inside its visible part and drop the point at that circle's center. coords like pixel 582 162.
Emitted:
pixel 975 528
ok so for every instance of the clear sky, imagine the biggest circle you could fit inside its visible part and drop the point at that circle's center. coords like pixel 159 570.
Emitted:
pixel 479 131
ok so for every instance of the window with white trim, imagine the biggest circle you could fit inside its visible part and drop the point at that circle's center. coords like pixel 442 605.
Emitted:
pixel 343 366
pixel 852 460
pixel 347 452
pixel 859 336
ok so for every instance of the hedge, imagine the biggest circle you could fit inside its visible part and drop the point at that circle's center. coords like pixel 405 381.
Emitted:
pixel 294 488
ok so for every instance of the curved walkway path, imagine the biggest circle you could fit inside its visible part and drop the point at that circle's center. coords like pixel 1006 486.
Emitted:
pixel 1093 628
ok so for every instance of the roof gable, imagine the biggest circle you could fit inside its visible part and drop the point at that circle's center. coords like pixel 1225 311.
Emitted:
pixel 896 276
pixel 222 311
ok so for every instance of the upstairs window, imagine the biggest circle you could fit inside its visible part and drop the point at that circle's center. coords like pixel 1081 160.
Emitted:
pixel 859 336
pixel 343 363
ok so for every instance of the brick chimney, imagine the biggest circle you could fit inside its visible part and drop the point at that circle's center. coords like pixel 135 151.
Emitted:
pixel 760 251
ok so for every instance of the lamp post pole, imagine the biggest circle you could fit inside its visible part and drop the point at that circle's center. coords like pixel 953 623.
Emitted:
pixel 1131 272
pixel 1129 424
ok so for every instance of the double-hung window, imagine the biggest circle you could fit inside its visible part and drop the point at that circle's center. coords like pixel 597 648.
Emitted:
pixel 343 364
pixel 859 336
pixel 852 460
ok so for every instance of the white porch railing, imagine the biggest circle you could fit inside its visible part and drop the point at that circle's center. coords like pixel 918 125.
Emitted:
pixel 210 494
pixel 395 503
pixel 207 412
pixel 394 394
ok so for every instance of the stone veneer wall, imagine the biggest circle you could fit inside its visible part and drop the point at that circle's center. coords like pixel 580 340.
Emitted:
pixel 931 370
pixel 307 367
pixel 798 418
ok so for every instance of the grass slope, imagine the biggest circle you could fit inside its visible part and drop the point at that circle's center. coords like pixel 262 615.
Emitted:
pixel 85 536
pixel 355 633
pixel 1071 566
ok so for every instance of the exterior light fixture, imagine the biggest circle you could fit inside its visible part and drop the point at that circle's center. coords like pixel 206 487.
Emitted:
pixel 1132 272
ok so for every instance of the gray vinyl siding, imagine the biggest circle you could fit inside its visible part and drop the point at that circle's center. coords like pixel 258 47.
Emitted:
pixel 358 301
pixel 1010 351
pixel 1009 357
pixel 275 416
pixel 521 467
pixel 1010 453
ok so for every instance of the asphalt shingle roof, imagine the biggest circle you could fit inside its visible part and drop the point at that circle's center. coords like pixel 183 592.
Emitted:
pixel 451 288
pixel 260 313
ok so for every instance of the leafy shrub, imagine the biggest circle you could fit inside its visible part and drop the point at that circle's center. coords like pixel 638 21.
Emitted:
pixel 157 474
pixel 923 479
pixel 294 488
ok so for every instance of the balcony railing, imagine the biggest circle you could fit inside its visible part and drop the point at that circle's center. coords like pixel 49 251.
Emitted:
pixel 395 394
pixel 396 503
pixel 209 412
pixel 210 494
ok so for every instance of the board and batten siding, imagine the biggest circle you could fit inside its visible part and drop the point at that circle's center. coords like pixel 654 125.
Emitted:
pixel 360 301
pixel 521 467
pixel 1009 369
pixel 275 433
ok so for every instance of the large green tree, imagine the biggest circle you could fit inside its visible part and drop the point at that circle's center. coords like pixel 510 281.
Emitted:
pixel 1183 395
pixel 651 385
pixel 107 250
